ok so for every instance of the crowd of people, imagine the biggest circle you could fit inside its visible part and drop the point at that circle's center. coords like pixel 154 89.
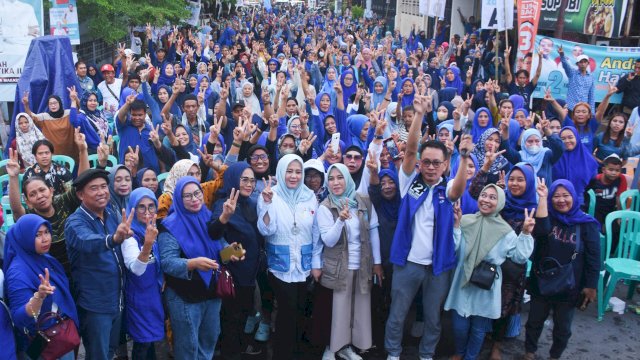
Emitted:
pixel 340 173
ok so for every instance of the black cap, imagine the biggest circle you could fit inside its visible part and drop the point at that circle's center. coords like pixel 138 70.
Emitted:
pixel 237 103
pixel 84 178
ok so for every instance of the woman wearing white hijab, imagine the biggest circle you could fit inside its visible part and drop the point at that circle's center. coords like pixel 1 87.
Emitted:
pixel 245 92
pixel 26 135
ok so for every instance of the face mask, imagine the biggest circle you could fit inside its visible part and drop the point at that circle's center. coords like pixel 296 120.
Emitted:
pixel 321 54
pixel 442 116
pixel 287 151
pixel 533 149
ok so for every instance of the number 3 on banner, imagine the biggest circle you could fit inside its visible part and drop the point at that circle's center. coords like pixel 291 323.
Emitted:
pixel 526 37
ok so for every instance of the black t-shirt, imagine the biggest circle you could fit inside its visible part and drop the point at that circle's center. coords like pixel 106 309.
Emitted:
pixel 606 195
pixel 524 91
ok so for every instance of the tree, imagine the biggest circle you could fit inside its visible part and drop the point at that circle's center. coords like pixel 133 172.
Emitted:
pixel 110 19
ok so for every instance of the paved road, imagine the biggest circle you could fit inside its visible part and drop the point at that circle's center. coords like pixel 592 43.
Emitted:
pixel 617 337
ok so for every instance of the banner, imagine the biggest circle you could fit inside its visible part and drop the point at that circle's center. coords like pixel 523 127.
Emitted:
pixel 607 65
pixel 599 17
pixel 20 22
pixel 63 19
pixel 497 14
pixel 528 17
pixel 432 8
pixel 194 10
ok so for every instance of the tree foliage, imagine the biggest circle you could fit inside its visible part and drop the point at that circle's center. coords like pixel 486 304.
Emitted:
pixel 110 19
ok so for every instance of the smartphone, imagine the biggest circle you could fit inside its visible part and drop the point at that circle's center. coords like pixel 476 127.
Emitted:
pixel 335 142
pixel 226 253
pixel 392 147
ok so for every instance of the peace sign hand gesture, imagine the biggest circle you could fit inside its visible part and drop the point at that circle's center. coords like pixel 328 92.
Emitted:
pixel 45 288
pixel 124 228
pixel 229 206
pixel 13 166
pixel 151 232
pixel 501 180
pixel 305 144
pixel 267 193
pixel 529 221
pixel 372 164
pixel 344 213
pixel 628 132
pixel 541 188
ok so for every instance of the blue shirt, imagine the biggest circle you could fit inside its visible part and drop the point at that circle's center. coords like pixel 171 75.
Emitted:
pixel 132 136
pixel 581 87
pixel 96 261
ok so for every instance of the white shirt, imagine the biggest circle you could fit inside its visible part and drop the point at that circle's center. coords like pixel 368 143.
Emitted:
pixel 423 225
pixel 331 231
pixel 130 252
pixel 109 101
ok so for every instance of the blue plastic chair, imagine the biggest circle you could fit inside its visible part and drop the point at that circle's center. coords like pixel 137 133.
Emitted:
pixel 592 202
pixel 4 184
pixel 111 162
pixel 65 161
pixel 7 214
pixel 624 266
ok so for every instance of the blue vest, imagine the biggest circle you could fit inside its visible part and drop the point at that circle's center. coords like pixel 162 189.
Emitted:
pixel 444 255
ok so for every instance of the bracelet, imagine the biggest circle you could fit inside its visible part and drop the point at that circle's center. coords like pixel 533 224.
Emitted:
pixel 36 296
pixel 235 144
pixel 387 99
pixel 379 137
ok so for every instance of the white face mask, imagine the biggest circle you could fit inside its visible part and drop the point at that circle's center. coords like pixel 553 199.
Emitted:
pixel 533 149
pixel 287 151
pixel 442 116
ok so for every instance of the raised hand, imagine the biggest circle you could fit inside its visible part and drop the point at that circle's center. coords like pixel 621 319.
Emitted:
pixel 25 98
pixel 267 193
pixel 229 206
pixel 151 232
pixel 529 221
pixel 560 50
pixel 73 94
pixel 344 214
pixel 501 180
pixel 153 135
pixel 13 167
pixel 371 163
pixel 466 145
pixel 457 214
pixel 541 188
pixel 79 139
pixel 628 132
pixel 305 144
pixel 45 288
pixel 124 228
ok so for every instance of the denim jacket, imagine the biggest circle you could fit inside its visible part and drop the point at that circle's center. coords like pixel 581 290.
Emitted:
pixel 290 257
pixel 97 267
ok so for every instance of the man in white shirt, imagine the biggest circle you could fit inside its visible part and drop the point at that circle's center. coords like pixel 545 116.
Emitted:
pixel 423 250
pixel 110 90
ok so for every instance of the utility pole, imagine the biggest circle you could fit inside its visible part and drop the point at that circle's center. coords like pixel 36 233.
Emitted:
pixel 560 23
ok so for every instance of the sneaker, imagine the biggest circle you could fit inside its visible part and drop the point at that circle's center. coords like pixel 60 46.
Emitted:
pixel 417 329
pixel 252 322
pixel 348 354
pixel 328 354
pixel 391 357
pixel 263 332
pixel 251 350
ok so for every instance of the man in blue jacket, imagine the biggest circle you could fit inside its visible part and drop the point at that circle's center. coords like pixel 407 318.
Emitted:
pixel 93 235
pixel 423 250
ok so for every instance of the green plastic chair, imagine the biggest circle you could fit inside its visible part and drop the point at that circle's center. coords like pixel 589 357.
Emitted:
pixel 7 214
pixel 65 161
pixel 592 202
pixel 624 265
pixel 629 200
pixel 111 162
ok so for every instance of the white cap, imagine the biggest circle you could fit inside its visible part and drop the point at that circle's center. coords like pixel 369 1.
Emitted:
pixel 582 57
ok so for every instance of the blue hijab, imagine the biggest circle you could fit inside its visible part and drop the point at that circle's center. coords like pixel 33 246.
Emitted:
pixel 468 204
pixel 477 130
pixel 390 208
pixel 450 109
pixel 190 229
pixel 379 98
pixel 407 99
pixel 118 201
pixel 356 123
pixel 139 228
pixel 574 216
pixel 20 254
pixel 290 196
pixel 347 91
pixel 350 189
pixel 125 93
pixel 535 159
pixel 207 92
pixel 517 101
pixel 457 82
pixel 514 205
pixel 327 85
pixel 330 112
pixel 238 219
pixel 165 79
pixel 446 94
pixel 578 165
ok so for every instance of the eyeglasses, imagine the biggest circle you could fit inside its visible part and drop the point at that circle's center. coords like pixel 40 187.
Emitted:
pixel 353 157
pixel 191 196
pixel 262 157
pixel 296 127
pixel 427 163
pixel 247 180
pixel 151 209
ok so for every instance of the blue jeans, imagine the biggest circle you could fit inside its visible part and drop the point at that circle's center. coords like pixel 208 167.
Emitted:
pixel 405 284
pixel 100 333
pixel 562 318
pixel 468 334
pixel 195 326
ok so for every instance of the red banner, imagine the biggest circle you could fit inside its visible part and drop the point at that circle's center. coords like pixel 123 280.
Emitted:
pixel 528 18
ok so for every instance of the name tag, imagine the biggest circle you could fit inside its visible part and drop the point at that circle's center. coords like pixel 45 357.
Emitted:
pixel 417 189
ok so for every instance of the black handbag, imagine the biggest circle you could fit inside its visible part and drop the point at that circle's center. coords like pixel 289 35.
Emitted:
pixel 554 278
pixel 512 272
pixel 484 275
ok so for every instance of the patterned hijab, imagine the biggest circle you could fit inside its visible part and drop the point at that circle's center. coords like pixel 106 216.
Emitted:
pixel 25 140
